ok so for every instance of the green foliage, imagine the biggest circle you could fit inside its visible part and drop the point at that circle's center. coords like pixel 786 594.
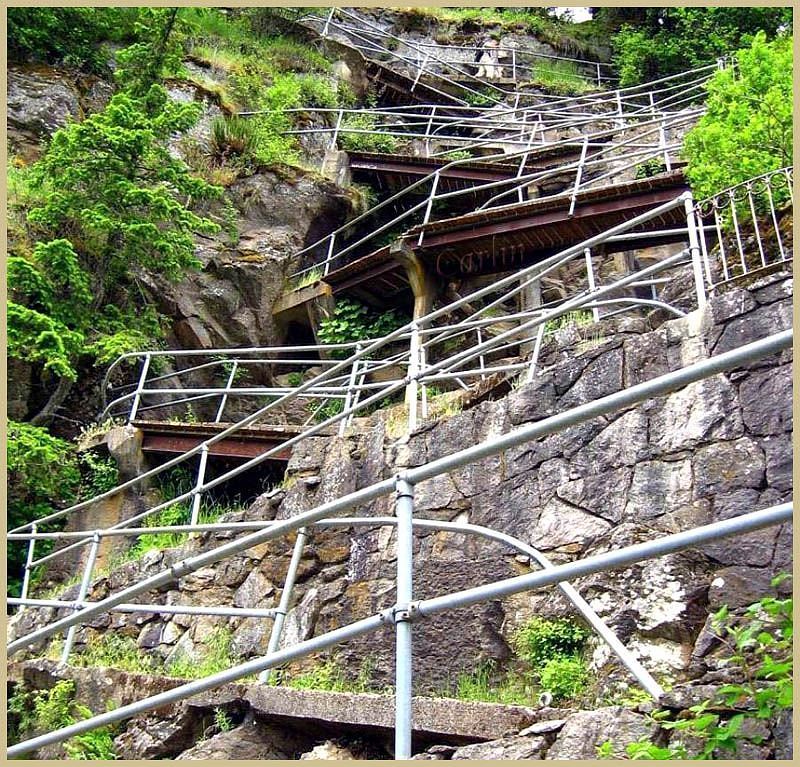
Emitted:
pixel 222 721
pixel 365 142
pixel 112 650
pixel 747 128
pixel 651 167
pixel 553 649
pixel 760 643
pixel 157 52
pixel 218 657
pixel 663 41
pixel 486 684
pixel 231 138
pixel 106 200
pixel 540 640
pixel 330 677
pixel 353 321
pixel 100 473
pixel 52 709
pixel 43 472
pixel 564 677
pixel 38 34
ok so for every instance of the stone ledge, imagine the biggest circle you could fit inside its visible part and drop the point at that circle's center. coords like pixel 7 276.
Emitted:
pixel 446 719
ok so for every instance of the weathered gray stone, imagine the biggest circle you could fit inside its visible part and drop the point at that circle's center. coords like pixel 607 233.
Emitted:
pixel 601 377
pixel 727 466
pixel 39 102
pixel 700 412
pixel 561 525
pixel 533 401
pixel 623 442
pixel 658 487
pixel 738 587
pixel 254 740
pixel 782 736
pixel 602 494
pixel 779 458
pixel 254 591
pixel 329 750
pixel 752 326
pixel 514 747
pixel 766 399
pixel 585 731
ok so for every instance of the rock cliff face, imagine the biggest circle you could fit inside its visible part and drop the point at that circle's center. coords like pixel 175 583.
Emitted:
pixel 710 451
pixel 267 217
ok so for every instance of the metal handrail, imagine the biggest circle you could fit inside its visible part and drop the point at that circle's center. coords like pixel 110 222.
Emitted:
pixel 405 610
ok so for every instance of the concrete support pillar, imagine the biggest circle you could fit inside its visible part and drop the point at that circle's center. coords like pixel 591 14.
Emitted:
pixel 424 285
pixel 530 297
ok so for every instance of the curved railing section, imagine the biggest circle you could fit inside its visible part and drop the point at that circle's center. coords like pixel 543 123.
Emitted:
pixel 748 227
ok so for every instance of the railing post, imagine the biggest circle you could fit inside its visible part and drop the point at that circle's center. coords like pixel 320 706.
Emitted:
pixel 139 388
pixel 429 206
pixel 620 121
pixel 201 476
pixel 224 400
pixel 694 249
pixel 481 360
pixel 330 254
pixel 413 373
pixel 285 601
pixel 587 252
pixel 536 349
pixel 514 64
pixel 404 510
pixel 422 366
pixel 578 176
pixel 26 576
pixel 428 132
pixel 336 130
pixel 82 592
pixel 599 77
pixel 420 70
pixel 351 383
pixel 324 32
pixel 662 140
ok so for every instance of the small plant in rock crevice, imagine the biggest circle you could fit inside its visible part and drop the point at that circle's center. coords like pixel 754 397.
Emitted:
pixel 761 655
pixel 47 710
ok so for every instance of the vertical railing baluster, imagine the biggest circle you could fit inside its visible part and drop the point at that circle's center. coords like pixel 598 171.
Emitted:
pixel 720 237
pixel 228 385
pixel 429 207
pixel 201 478
pixel 755 224
pixel 26 575
pixel 694 249
pixel 735 219
pixel 775 219
pixel 285 600
pixel 83 590
pixel 336 130
pixel 578 176
pixel 329 256
pixel 413 374
pixel 404 511
pixel 350 387
pixel 139 388
pixel 536 349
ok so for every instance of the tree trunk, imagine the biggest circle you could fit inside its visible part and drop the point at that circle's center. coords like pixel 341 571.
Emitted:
pixel 45 415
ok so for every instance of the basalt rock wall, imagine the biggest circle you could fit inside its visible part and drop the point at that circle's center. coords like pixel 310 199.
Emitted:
pixel 715 449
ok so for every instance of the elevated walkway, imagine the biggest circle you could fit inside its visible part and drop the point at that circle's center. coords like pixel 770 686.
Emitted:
pixel 162 437
pixel 510 237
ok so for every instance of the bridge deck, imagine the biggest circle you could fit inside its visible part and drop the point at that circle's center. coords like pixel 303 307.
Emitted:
pixel 164 437
pixel 511 237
